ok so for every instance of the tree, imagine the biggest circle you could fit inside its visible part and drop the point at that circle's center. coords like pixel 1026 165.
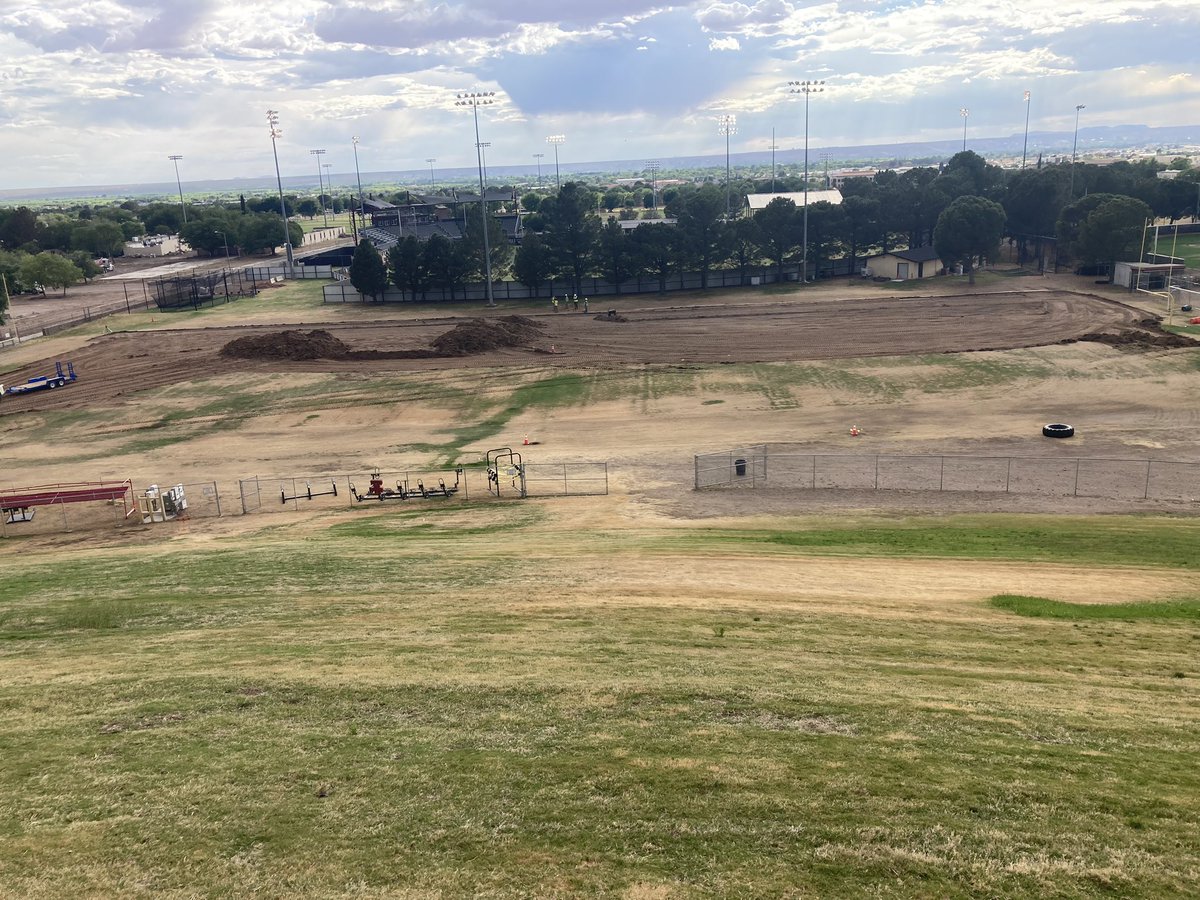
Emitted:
pixel 778 230
pixel 701 226
pixel 744 239
pixel 307 207
pixel 50 270
pixel 860 225
pixel 531 201
pixel 99 238
pixel 612 199
pixel 826 223
pixel 655 250
pixel 19 228
pixel 616 254
pixel 368 273
pixel 406 264
pixel 534 264
pixel 499 247
pixel 447 263
pixel 261 233
pixel 85 264
pixel 1112 230
pixel 969 228
pixel 571 230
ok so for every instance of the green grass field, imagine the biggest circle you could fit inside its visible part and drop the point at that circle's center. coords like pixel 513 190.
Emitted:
pixel 462 703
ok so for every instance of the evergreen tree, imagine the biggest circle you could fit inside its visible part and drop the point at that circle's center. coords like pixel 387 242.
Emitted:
pixel 368 273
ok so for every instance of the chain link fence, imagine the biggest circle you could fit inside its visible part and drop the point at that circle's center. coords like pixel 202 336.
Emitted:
pixel 1122 479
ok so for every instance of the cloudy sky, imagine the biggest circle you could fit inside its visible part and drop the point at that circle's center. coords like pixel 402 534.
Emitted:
pixel 102 91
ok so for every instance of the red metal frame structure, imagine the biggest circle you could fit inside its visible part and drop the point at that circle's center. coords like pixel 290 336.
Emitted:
pixel 19 501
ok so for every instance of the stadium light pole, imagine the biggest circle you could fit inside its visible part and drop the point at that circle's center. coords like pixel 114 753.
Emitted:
pixel 773 149
pixel 224 240
pixel 175 158
pixel 727 125
pixel 329 183
pixel 273 121
pixel 538 157
pixel 807 88
pixel 483 147
pixel 557 139
pixel 1074 147
pixel 964 112
pixel 653 166
pixel 358 178
pixel 1025 145
pixel 320 185
pixel 431 160
pixel 476 99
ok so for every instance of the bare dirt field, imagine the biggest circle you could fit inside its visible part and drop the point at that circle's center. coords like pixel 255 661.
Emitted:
pixel 786 330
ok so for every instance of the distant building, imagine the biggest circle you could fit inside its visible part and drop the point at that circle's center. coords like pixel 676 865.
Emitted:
pixel 755 202
pixel 901 265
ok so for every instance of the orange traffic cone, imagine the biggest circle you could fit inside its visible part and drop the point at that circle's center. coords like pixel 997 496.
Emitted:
pixel 526 440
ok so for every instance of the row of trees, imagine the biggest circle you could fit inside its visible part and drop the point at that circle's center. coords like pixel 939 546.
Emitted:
pixel 964 209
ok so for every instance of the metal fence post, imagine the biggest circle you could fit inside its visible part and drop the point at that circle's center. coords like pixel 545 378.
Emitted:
pixel 1146 493
pixel 217 498
pixel 942 475
pixel 1008 476
pixel 1076 491
pixel 876 471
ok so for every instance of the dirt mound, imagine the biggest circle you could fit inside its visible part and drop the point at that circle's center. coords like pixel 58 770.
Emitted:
pixel 472 336
pixel 1150 335
pixel 481 335
pixel 294 345
pixel 610 316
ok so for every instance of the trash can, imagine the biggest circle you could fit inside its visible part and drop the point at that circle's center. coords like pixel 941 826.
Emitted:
pixel 739 466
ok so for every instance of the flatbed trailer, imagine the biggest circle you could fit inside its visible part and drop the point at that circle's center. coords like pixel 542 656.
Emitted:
pixel 60 378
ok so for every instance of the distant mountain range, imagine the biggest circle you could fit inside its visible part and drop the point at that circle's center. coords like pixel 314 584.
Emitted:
pixel 1050 144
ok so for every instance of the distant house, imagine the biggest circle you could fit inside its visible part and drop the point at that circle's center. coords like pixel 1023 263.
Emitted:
pixel 755 202
pixel 901 265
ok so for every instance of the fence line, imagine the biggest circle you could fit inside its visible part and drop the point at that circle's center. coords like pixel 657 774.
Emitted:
pixel 1113 478
pixel 344 292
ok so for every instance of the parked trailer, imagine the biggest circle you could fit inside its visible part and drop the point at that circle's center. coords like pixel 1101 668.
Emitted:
pixel 42 382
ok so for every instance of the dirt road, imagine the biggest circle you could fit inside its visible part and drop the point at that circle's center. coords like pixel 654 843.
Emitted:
pixel 117 365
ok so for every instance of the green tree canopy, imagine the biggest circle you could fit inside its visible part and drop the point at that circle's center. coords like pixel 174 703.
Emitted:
pixel 534 264
pixel 368 273
pixel 969 229
pixel 571 230
pixel 1112 231
pixel 406 265
pixel 50 270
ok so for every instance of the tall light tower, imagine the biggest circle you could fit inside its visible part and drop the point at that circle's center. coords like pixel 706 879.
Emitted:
pixel 773 149
pixel 321 185
pixel 475 100
pixel 175 158
pixel 964 112
pixel 556 139
pixel 483 150
pixel 431 160
pixel 358 178
pixel 1074 147
pixel 807 88
pixel 653 166
pixel 273 121
pixel 1025 145
pixel 538 157
pixel 329 181
pixel 727 125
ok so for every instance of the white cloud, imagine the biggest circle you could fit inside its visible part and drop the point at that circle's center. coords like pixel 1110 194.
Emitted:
pixel 724 43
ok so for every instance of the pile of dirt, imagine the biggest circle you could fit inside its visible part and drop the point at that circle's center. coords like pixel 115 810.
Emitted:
pixel 292 345
pixel 1150 335
pixel 610 316
pixel 481 335
pixel 473 336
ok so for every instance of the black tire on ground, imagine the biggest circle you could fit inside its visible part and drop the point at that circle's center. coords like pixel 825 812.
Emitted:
pixel 1058 430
